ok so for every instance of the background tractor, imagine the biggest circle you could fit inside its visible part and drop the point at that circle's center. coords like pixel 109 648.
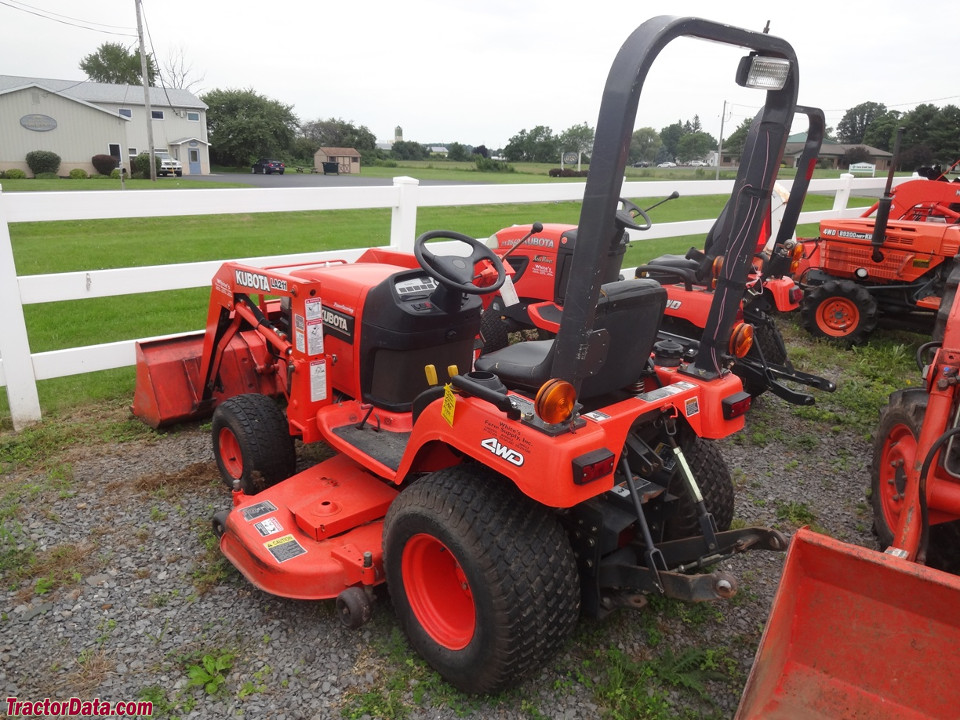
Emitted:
pixel 890 264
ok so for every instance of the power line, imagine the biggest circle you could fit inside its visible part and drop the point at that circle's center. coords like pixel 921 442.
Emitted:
pixel 82 24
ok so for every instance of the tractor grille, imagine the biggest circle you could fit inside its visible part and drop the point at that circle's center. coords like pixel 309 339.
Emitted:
pixel 843 260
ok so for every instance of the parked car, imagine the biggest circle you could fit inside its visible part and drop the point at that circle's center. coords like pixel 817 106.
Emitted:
pixel 268 167
pixel 667 164
pixel 641 164
pixel 168 165
pixel 698 163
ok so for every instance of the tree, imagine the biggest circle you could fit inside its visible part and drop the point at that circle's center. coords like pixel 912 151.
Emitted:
pixel 578 139
pixel 695 146
pixel 458 152
pixel 538 145
pixel 409 150
pixel 177 72
pixel 334 132
pixel 113 63
pixel 645 143
pixel 880 133
pixel 738 138
pixel 244 125
pixel 853 126
pixel 481 150
pixel 670 137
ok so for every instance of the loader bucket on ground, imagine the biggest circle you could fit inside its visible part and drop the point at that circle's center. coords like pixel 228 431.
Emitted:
pixel 855 633
pixel 169 386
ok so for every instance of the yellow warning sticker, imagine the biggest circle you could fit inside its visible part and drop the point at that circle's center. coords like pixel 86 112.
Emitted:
pixel 284 548
pixel 449 404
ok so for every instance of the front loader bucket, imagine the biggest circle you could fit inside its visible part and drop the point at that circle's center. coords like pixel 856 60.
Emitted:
pixel 169 387
pixel 855 633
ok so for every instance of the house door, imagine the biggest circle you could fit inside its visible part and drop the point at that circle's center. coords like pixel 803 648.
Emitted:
pixel 194 161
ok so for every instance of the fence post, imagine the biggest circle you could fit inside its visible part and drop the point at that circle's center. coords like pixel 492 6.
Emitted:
pixel 403 223
pixel 842 198
pixel 14 345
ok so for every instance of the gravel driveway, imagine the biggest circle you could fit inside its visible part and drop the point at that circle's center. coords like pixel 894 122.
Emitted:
pixel 141 596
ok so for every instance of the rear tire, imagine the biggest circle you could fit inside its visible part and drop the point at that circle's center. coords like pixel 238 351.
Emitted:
pixel 767 340
pixel 716 485
pixel 839 310
pixel 252 443
pixel 493 332
pixel 483 579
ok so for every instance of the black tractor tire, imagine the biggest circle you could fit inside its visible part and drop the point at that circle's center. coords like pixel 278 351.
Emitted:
pixel 894 446
pixel 252 443
pixel 483 579
pixel 839 310
pixel 494 332
pixel 716 486
pixel 768 341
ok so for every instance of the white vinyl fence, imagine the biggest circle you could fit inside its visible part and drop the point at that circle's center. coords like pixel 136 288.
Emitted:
pixel 20 369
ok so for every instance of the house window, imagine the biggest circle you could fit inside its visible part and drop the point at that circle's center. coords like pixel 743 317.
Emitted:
pixel 193 116
pixel 132 152
pixel 114 150
pixel 156 114
pixel 126 112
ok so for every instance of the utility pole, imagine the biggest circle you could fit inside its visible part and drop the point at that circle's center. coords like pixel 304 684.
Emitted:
pixel 723 116
pixel 146 94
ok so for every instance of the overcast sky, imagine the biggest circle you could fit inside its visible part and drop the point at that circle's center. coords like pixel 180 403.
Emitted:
pixel 479 72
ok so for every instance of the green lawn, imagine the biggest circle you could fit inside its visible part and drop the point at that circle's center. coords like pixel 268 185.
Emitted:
pixel 65 246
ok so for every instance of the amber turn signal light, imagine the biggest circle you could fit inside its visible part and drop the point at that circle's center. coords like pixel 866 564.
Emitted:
pixel 715 269
pixel 555 401
pixel 741 339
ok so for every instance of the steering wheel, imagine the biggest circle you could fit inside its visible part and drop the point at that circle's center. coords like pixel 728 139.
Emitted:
pixel 456 271
pixel 629 212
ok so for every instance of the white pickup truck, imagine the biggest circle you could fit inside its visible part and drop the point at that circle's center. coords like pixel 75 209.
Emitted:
pixel 168 165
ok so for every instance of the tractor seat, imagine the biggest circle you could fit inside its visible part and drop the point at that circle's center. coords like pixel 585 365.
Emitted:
pixel 629 310
pixel 675 261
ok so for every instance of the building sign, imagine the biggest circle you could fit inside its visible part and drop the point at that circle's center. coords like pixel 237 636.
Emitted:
pixel 38 123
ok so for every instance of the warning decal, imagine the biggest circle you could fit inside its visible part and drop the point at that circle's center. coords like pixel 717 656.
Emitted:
pixel 258 510
pixel 318 380
pixel 284 548
pixel 270 526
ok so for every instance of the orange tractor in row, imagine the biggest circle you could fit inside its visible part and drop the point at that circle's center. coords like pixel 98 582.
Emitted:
pixel 500 498
pixel 890 264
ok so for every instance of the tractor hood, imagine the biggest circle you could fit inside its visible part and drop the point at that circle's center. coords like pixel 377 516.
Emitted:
pixel 581 349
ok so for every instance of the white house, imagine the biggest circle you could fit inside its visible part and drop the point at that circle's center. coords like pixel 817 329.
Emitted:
pixel 78 120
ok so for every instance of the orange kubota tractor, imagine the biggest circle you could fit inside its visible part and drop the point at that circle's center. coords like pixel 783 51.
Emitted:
pixel 891 263
pixel 553 478
pixel 856 633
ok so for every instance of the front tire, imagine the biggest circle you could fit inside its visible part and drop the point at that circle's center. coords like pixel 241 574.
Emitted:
pixel 839 310
pixel 483 579
pixel 894 448
pixel 252 443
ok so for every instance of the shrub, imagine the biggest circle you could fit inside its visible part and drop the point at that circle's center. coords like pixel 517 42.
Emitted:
pixel 96 176
pixel 46 176
pixel 15 174
pixel 78 174
pixel 104 164
pixel 115 174
pixel 43 161
pixel 141 165
pixel 487 165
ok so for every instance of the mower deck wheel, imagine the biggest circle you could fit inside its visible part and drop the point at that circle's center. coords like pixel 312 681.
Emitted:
pixel 252 443
pixel 840 310
pixel 354 607
pixel 483 579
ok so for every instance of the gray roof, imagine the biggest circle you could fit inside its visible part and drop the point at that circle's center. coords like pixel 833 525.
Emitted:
pixel 94 92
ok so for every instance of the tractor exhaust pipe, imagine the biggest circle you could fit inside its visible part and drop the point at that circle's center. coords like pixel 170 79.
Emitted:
pixel 883 207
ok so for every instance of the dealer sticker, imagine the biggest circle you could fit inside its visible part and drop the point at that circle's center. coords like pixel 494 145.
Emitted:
pixel 258 510
pixel 270 526
pixel 284 548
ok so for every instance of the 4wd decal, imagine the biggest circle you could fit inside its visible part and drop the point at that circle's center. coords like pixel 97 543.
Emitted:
pixel 251 280
pixel 508 454
pixel 674 304
pixel 338 324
